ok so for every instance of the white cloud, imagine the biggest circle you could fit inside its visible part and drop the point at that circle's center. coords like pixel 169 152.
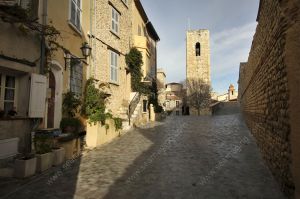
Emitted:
pixel 229 38
pixel 229 48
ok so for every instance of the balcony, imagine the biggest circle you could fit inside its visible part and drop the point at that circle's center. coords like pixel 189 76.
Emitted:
pixel 18 9
pixel 142 42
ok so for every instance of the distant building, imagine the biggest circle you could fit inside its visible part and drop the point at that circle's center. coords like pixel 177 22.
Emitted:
pixel 161 86
pixel 231 95
pixel 174 97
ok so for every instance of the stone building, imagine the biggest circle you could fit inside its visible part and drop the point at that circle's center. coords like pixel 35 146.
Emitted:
pixel 269 90
pixel 111 41
pixel 145 39
pixel 198 55
pixel 66 72
pixel 198 59
pixel 232 93
pixel 174 97
pixel 161 86
pixel 23 84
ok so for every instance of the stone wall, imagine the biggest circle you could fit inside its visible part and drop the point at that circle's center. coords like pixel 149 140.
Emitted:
pixel 17 128
pixel 106 41
pixel 264 88
pixel 198 67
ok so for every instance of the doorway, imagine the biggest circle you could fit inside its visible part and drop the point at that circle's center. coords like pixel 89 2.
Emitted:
pixel 51 100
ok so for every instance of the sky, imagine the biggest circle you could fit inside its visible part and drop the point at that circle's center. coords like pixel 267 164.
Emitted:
pixel 231 23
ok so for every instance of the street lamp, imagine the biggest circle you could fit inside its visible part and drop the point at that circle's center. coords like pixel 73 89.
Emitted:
pixel 85 50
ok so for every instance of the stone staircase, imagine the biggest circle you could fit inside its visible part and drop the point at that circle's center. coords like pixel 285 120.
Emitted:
pixel 133 113
pixel 123 114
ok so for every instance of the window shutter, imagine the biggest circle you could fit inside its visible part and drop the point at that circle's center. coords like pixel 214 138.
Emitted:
pixel 37 102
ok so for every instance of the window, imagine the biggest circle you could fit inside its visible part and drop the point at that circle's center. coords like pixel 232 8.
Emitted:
pixel 198 49
pixel 7 92
pixel 145 102
pixel 115 20
pixel 177 104
pixel 113 67
pixel 75 13
pixel 76 77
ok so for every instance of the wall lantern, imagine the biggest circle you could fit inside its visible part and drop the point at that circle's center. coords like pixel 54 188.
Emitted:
pixel 85 50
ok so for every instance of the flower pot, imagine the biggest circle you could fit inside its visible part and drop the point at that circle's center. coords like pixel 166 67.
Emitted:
pixel 58 156
pixel 44 161
pixel 25 167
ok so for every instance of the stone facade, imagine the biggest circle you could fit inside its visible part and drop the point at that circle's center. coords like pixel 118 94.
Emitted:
pixel 17 65
pixel 198 66
pixel 232 94
pixel 161 86
pixel 71 39
pixel 198 61
pixel 174 97
pixel 105 41
pixel 268 90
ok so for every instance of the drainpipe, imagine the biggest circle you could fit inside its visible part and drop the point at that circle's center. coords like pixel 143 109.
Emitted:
pixel 43 41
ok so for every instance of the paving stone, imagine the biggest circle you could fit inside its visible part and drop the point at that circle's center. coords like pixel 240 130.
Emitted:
pixel 185 157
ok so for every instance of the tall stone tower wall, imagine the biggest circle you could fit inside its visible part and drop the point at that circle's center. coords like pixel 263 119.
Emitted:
pixel 198 67
pixel 198 63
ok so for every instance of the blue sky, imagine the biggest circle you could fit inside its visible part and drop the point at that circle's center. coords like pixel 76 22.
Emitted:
pixel 231 23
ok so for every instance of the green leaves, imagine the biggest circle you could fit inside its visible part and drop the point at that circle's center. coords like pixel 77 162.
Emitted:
pixel 134 60
pixel 70 104
pixel 94 103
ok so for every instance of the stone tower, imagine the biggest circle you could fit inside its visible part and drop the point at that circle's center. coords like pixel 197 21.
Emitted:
pixel 198 61
pixel 198 55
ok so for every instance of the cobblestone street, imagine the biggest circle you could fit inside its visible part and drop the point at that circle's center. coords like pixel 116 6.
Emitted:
pixel 183 157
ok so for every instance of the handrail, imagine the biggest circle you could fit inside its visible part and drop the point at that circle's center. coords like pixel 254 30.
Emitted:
pixel 133 104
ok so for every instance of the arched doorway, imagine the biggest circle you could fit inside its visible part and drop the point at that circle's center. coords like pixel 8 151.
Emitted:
pixel 51 100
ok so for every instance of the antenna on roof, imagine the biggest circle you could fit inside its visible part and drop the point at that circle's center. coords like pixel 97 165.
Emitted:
pixel 189 23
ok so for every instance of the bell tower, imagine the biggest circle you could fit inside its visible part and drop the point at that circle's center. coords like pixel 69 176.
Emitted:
pixel 198 55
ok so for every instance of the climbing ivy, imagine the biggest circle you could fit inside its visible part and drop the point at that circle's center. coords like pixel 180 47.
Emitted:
pixel 93 106
pixel 153 99
pixel 134 60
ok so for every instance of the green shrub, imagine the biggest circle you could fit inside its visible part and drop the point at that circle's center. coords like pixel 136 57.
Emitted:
pixel 70 125
pixel 93 107
pixel 70 104
pixel 43 143
pixel 118 123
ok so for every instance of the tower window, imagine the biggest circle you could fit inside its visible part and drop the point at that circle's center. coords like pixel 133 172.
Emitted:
pixel 198 49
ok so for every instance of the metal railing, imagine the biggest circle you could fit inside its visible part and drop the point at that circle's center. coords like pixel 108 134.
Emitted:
pixel 132 105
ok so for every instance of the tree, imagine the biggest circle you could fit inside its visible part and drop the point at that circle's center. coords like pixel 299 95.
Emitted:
pixel 198 94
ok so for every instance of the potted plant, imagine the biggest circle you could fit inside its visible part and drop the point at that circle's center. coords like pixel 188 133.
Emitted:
pixel 44 155
pixel 25 166
pixel 70 125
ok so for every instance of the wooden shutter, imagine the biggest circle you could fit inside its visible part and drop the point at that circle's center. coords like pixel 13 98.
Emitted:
pixel 37 102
